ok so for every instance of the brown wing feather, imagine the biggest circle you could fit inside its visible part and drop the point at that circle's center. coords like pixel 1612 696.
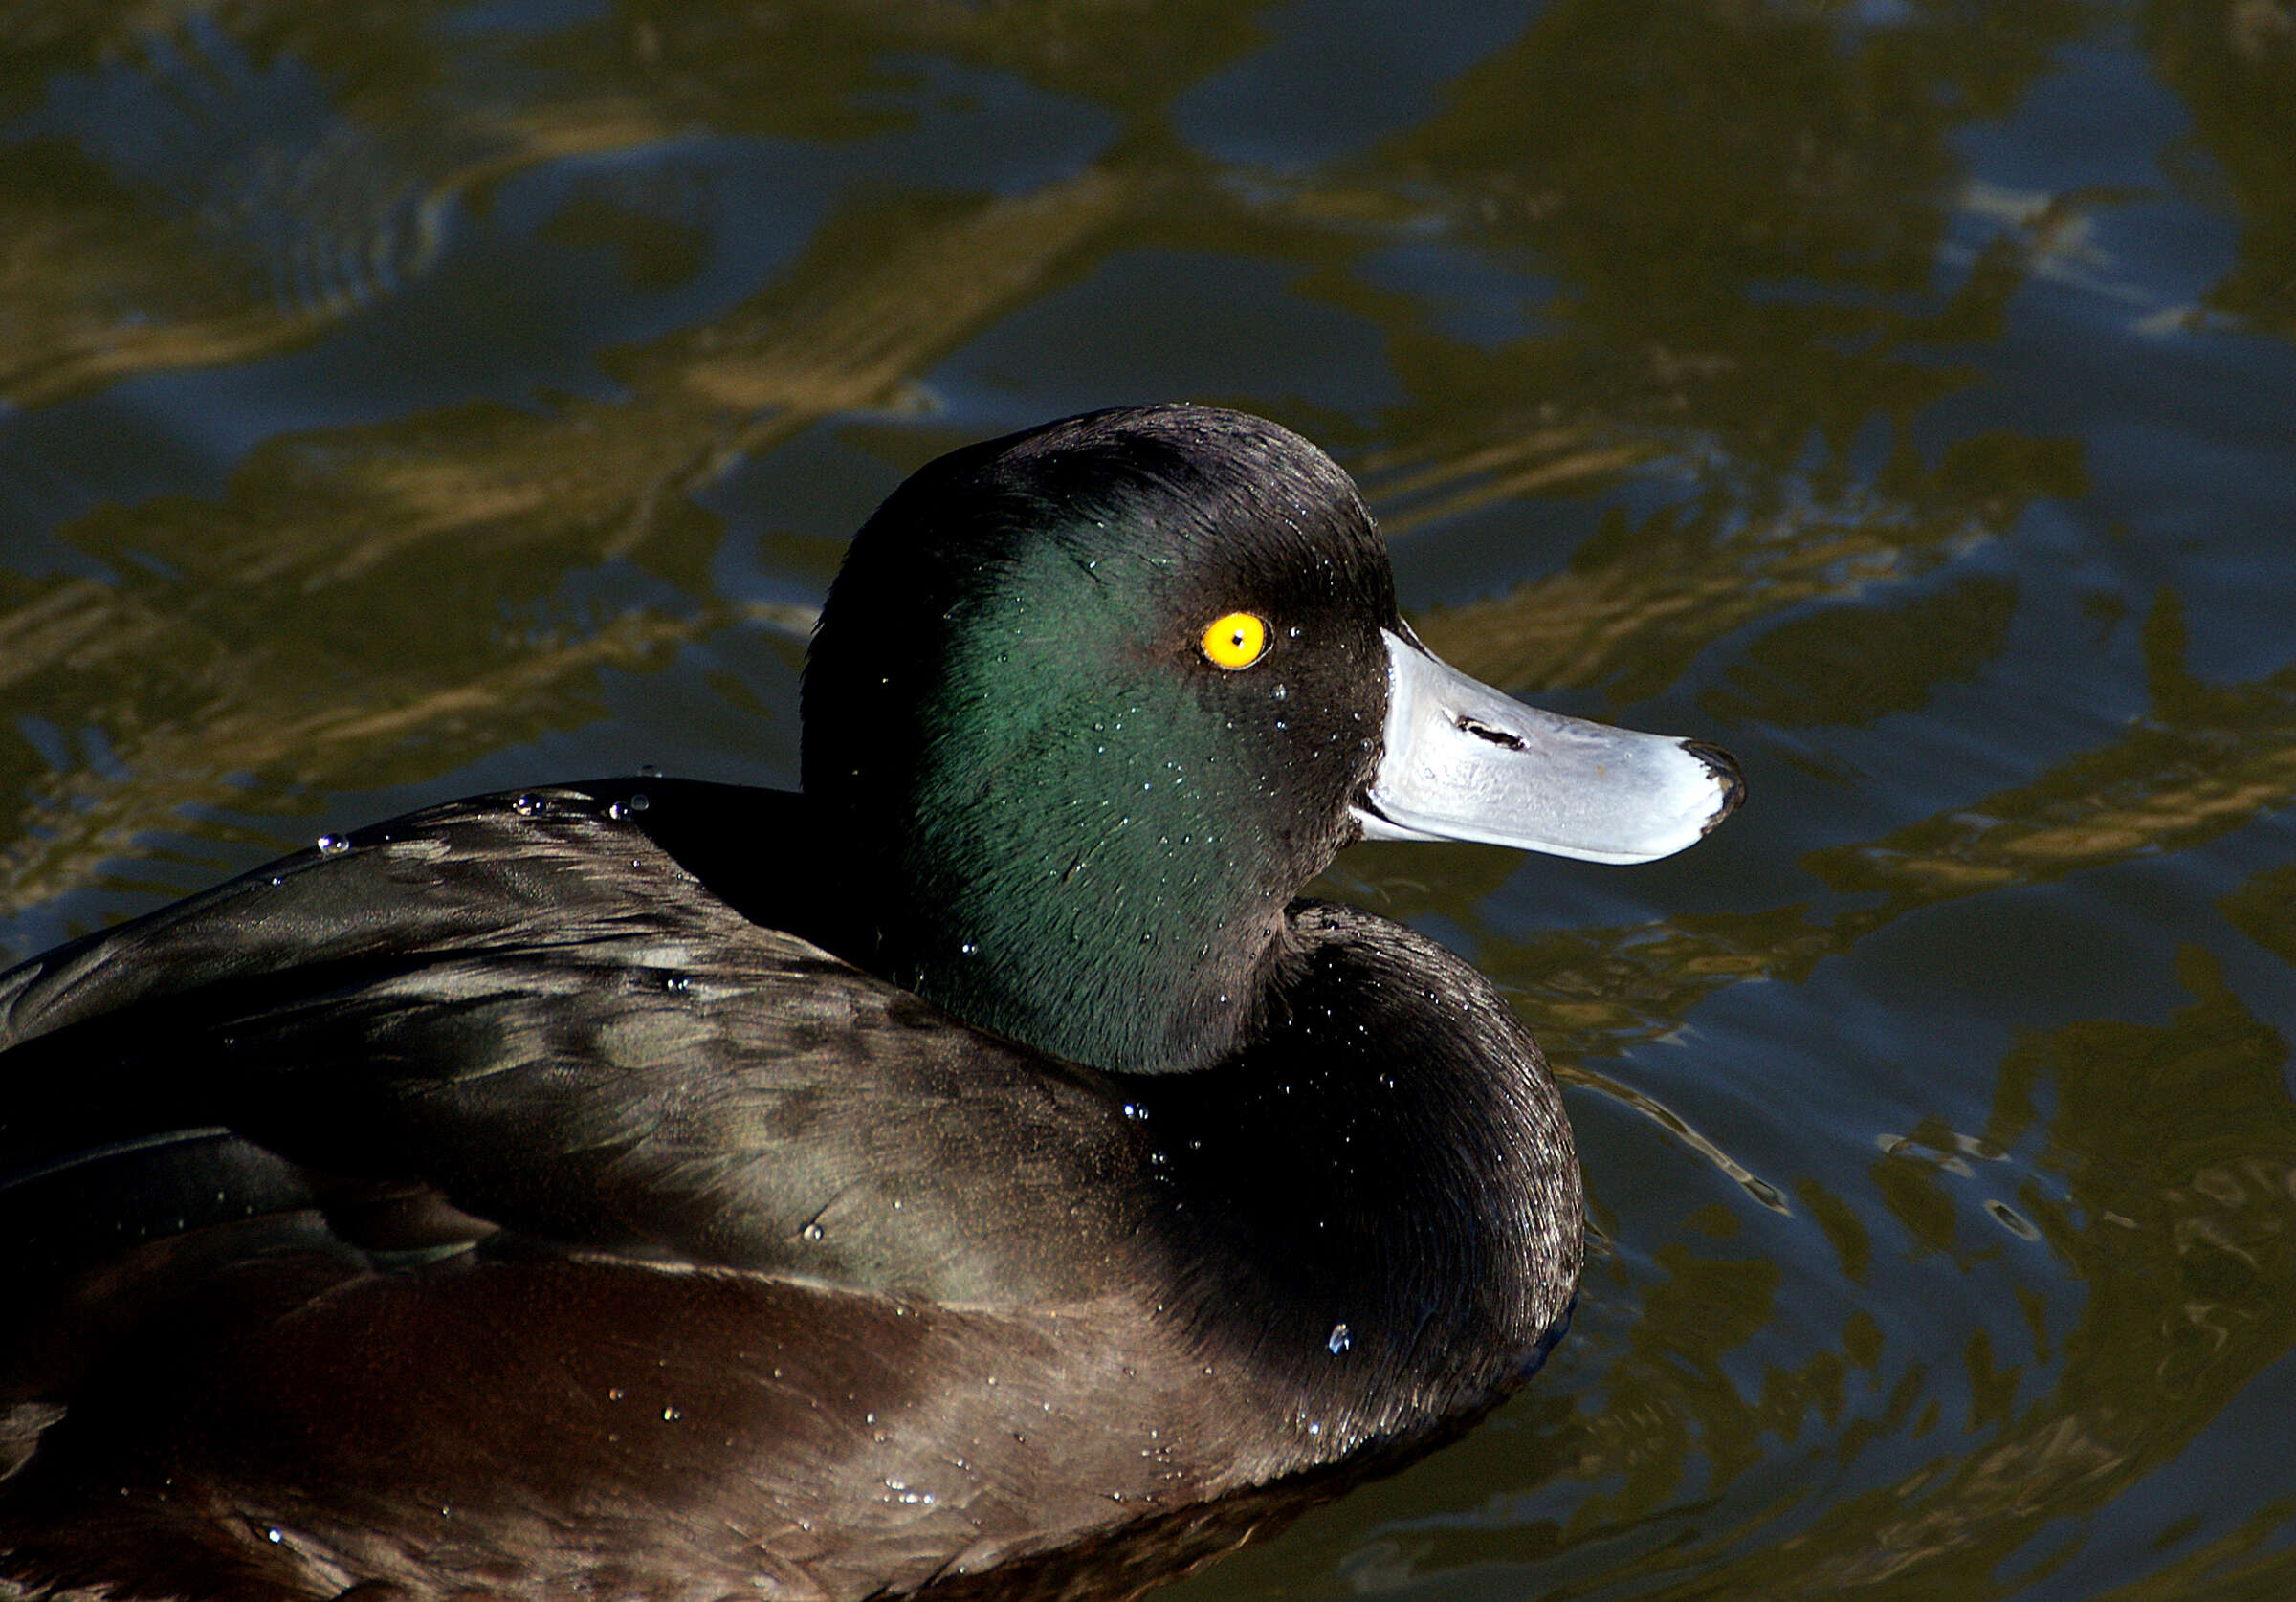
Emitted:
pixel 541 1016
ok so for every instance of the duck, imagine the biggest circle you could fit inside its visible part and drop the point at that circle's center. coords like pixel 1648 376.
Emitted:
pixel 981 1170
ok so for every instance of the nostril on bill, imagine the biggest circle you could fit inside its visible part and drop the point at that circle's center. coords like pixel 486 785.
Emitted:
pixel 1484 731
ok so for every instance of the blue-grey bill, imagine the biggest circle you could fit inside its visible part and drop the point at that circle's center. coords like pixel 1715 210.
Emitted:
pixel 1464 763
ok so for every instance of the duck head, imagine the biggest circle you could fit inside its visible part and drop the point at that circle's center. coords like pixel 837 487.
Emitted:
pixel 1088 705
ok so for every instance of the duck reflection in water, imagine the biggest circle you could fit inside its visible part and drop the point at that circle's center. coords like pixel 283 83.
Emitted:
pixel 981 1170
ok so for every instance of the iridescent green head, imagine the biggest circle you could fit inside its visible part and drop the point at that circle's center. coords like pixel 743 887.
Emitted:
pixel 1090 704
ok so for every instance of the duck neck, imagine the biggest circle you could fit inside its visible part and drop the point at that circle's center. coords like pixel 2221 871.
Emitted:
pixel 1127 925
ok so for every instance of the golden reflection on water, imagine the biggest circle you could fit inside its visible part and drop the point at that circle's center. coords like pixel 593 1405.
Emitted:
pixel 1727 349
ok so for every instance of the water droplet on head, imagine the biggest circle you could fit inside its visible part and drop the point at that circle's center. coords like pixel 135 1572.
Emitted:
pixel 1281 693
pixel 672 1414
pixel 640 801
pixel 969 948
pixel 678 984
pixel 647 770
pixel 332 846
pixel 528 804
pixel 1295 632
pixel 272 1534
pixel 1135 1112
pixel 616 1393
pixel 814 1231
pixel 1340 1340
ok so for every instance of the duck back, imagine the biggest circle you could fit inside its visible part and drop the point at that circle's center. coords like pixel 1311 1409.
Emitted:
pixel 499 1200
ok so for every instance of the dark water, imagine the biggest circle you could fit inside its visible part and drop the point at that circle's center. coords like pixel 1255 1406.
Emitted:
pixel 402 399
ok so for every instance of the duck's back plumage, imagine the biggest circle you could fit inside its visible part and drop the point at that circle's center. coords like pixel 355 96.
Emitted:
pixel 528 1004
pixel 519 1214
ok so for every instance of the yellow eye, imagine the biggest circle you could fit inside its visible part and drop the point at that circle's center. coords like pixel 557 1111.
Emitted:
pixel 1235 641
